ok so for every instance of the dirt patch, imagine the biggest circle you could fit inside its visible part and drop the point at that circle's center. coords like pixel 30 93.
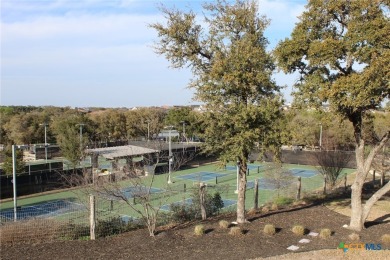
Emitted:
pixel 181 243
pixel 380 211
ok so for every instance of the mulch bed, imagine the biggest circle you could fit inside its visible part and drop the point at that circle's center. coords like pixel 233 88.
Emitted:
pixel 181 243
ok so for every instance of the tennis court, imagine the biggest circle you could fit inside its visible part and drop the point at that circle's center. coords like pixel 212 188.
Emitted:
pixel 250 167
pixel 305 173
pixel 134 191
pixel 47 209
pixel 201 176
pixel 263 185
pixel 188 202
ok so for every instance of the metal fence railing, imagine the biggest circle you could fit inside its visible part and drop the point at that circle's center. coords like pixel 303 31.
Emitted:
pixel 68 219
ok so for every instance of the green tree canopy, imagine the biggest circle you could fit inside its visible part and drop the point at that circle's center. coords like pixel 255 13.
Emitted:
pixel 8 163
pixel 138 121
pixel 183 115
pixel 342 51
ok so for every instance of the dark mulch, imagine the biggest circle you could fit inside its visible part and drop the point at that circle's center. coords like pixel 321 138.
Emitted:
pixel 180 242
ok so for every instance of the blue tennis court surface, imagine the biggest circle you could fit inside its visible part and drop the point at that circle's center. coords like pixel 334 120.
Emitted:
pixel 201 176
pixel 303 172
pixel 130 192
pixel 250 167
pixel 263 185
pixel 188 202
pixel 46 209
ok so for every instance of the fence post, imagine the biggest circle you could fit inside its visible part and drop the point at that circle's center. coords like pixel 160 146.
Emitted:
pixel 324 184
pixel 185 187
pixel 258 169
pixel 299 188
pixel 92 217
pixel 256 202
pixel 216 179
pixel 345 182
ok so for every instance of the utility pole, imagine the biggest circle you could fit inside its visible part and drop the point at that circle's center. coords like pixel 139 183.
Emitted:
pixel 45 125
pixel 320 136
pixel 14 147
pixel 81 136
pixel 170 157
pixel 148 130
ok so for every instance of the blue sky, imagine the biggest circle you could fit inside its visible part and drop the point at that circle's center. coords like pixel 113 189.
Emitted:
pixel 98 53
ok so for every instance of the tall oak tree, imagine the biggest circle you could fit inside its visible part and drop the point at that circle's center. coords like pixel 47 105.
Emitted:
pixel 341 49
pixel 232 70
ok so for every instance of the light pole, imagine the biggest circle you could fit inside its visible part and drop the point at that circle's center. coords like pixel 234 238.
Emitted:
pixel 45 125
pixel 14 147
pixel 148 129
pixel 170 157
pixel 184 129
pixel 81 135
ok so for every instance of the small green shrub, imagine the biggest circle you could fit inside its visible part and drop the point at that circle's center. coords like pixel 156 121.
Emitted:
pixel 73 231
pixel 354 237
pixel 235 231
pixel 282 201
pixel 386 239
pixel 298 230
pixel 182 213
pixel 269 229
pixel 325 233
pixel 199 230
pixel 224 224
pixel 113 226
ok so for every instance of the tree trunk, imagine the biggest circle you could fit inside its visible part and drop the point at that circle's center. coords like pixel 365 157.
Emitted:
pixel 356 223
pixel 241 192
pixel 359 212
pixel 374 198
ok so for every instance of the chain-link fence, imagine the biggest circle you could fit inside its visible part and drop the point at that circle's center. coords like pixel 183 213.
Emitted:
pixel 69 219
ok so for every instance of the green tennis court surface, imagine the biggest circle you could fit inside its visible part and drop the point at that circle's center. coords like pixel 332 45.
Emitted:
pixel 201 176
pixel 305 173
pixel 250 167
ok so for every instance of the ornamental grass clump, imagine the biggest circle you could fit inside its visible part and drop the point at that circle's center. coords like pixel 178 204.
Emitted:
pixel 252 211
pixel 386 239
pixel 235 231
pixel 269 229
pixel 325 233
pixel 199 230
pixel 354 237
pixel 298 230
pixel 224 224
pixel 264 209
